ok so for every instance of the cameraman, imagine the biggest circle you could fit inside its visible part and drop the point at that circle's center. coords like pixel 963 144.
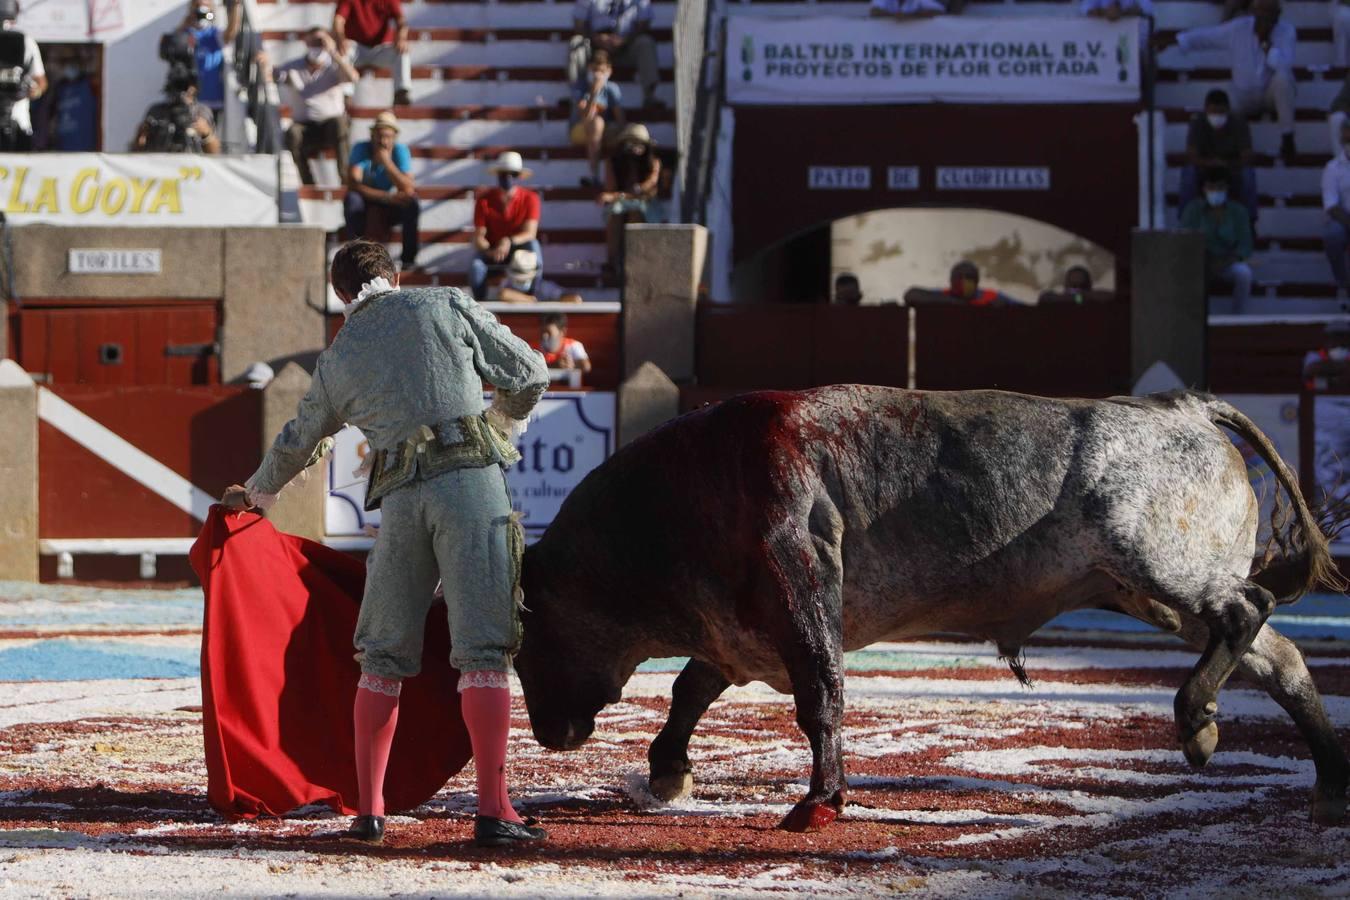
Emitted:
pixel 178 123
pixel 22 78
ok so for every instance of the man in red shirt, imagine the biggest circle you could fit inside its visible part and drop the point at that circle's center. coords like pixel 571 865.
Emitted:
pixel 378 31
pixel 505 219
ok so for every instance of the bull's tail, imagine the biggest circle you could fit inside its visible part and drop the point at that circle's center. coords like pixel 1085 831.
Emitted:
pixel 1297 559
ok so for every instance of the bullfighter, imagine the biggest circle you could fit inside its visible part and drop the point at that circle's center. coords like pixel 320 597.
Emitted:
pixel 407 369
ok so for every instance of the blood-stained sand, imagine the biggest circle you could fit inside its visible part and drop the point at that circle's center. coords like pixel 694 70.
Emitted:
pixel 962 782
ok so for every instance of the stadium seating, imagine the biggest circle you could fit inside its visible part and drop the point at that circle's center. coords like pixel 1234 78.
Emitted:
pixel 486 77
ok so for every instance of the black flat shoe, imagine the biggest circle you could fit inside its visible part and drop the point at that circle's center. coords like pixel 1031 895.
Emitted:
pixel 490 832
pixel 367 829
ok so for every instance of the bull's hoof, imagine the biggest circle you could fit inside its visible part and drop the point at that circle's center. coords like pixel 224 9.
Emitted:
pixel 1328 807
pixel 1200 746
pixel 668 788
pixel 808 817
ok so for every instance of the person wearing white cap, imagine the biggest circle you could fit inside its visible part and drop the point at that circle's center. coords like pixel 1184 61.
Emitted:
pixel 380 172
pixel 522 283
pixel 505 221
pixel 630 184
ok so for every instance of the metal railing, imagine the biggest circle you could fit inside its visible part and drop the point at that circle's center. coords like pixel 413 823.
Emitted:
pixel 698 92
pixel 259 97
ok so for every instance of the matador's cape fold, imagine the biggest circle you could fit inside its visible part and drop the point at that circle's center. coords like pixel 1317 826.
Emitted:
pixel 278 678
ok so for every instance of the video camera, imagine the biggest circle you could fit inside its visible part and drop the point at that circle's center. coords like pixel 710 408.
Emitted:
pixel 178 49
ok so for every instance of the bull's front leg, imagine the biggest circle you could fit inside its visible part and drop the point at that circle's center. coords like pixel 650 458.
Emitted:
pixel 818 687
pixel 670 775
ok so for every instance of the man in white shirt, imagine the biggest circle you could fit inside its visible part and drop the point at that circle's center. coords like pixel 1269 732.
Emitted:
pixel 19 56
pixel 316 93
pixel 1336 202
pixel 1261 48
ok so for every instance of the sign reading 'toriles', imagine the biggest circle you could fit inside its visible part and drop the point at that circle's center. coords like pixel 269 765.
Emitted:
pixel 113 262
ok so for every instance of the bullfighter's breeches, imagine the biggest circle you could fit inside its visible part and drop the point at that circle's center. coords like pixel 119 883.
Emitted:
pixel 457 526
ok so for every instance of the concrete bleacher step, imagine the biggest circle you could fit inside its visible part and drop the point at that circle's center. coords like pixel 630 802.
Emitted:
pixel 479 132
pixel 500 49
pixel 547 96
pixel 297 15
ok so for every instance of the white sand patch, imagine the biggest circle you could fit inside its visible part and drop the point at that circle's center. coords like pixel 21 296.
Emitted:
pixel 68 701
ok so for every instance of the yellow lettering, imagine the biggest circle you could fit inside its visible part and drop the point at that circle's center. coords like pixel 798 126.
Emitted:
pixel 16 204
pixel 114 197
pixel 47 199
pixel 83 203
pixel 168 196
pixel 138 191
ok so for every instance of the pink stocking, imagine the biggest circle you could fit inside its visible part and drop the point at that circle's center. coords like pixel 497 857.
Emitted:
pixel 486 709
pixel 375 715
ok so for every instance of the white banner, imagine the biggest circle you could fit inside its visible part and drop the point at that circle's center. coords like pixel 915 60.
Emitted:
pixel 569 435
pixel 949 59
pixel 156 189
pixel 55 21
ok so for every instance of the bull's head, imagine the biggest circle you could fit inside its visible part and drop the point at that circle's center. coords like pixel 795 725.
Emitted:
pixel 573 661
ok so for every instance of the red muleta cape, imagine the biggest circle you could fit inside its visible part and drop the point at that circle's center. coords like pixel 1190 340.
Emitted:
pixel 278 678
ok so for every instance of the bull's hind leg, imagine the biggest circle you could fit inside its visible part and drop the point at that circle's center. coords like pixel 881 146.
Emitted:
pixel 1273 662
pixel 1233 610
pixel 669 774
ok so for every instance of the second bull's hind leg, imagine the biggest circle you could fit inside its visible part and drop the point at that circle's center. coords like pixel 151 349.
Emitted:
pixel 1233 609
pixel 670 775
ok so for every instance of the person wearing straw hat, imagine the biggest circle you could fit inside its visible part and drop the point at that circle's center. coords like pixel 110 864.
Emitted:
pixel 379 173
pixel 505 221
pixel 630 183
pixel 522 284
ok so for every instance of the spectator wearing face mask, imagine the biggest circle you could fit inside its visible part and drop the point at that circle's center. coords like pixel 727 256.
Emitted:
pixel 562 353
pixel 1261 50
pixel 1228 235
pixel 318 101
pixel 963 288
pixel 505 221
pixel 1336 202
pixel 522 284
pixel 208 48
pixel 73 108
pixel 1217 138
pixel 595 110
pixel 379 174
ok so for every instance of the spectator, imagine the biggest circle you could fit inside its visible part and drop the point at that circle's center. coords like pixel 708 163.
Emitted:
pixel 208 48
pixel 1261 48
pixel 908 9
pixel 1228 235
pixel 561 353
pixel 963 288
pixel 1077 289
pixel 847 290
pixel 595 107
pixel 1340 109
pixel 72 107
pixel 631 181
pixel 505 221
pixel 16 135
pixel 1340 32
pixel 1233 8
pixel 376 32
pixel 521 283
pixel 380 174
pixel 1328 367
pixel 1111 10
pixel 318 101
pixel 1336 202
pixel 179 123
pixel 1219 138
pixel 623 28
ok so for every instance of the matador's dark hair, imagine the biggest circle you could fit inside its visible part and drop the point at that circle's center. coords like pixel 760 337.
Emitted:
pixel 359 262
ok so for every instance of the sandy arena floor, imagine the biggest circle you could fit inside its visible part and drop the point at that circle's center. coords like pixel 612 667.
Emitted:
pixel 962 782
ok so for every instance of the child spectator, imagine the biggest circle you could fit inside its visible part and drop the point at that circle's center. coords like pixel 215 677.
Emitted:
pixel 561 352
pixel 1217 138
pixel 631 181
pixel 595 107
pixel 1228 236
pixel 522 284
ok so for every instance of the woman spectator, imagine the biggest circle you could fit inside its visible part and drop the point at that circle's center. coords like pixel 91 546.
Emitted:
pixel 630 184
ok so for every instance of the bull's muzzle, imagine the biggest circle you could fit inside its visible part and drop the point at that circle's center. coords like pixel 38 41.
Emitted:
pixel 565 736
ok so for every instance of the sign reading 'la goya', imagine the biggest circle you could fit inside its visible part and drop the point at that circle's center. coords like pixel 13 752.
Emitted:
pixel 955 59
pixel 568 436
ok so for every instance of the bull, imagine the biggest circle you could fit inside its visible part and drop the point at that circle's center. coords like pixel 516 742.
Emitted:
pixel 764 536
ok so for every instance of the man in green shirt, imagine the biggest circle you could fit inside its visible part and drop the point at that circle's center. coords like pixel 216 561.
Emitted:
pixel 1228 235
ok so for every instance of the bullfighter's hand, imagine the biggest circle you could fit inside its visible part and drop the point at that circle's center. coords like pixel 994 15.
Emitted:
pixel 236 497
